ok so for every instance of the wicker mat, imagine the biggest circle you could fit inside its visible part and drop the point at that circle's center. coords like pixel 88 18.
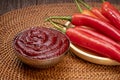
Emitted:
pixel 71 68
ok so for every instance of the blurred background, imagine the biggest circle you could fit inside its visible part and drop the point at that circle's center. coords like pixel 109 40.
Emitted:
pixel 8 5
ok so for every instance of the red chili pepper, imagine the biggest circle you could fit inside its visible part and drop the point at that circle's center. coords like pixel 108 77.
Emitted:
pixel 111 13
pixel 99 14
pixel 86 12
pixel 92 40
pixel 93 43
pixel 98 35
pixel 103 27
pixel 95 11
pixel 85 20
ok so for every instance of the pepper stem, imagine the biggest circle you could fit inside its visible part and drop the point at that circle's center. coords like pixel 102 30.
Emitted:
pixel 57 27
pixel 86 5
pixel 68 18
pixel 78 6
pixel 61 24
pixel 103 0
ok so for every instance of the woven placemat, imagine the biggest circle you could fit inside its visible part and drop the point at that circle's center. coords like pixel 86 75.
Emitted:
pixel 71 68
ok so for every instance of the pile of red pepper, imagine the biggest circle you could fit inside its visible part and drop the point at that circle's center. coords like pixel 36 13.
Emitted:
pixel 104 38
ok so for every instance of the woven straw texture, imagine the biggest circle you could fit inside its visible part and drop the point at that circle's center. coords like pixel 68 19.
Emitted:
pixel 71 68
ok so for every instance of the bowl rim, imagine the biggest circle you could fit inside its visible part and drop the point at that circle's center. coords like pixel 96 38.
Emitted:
pixel 26 56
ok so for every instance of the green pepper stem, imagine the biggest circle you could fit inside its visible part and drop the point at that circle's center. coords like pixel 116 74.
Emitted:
pixel 78 6
pixel 61 24
pixel 103 0
pixel 57 27
pixel 68 18
pixel 86 5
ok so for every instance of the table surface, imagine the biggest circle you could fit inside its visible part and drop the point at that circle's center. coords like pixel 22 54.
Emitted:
pixel 8 5
pixel 71 68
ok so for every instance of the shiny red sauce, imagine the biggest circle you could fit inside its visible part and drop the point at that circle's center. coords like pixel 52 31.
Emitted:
pixel 41 43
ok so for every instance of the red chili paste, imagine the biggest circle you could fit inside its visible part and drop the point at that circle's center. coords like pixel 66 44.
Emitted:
pixel 41 43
